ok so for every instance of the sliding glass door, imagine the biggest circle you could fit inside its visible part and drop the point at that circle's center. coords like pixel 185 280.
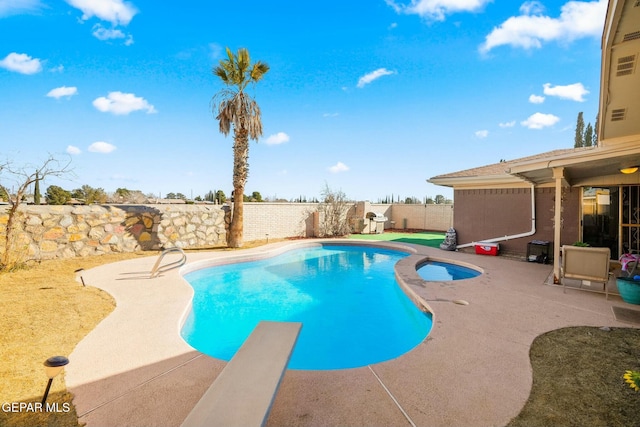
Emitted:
pixel 601 217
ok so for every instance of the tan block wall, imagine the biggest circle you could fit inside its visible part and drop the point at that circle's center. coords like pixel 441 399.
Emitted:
pixel 417 217
pixel 278 220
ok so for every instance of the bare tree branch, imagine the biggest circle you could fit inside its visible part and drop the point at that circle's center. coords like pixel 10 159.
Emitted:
pixel 24 176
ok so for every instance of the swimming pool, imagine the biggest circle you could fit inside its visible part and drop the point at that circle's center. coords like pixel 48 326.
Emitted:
pixel 353 311
pixel 445 271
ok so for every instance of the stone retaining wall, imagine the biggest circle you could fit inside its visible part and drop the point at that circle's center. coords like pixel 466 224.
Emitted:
pixel 46 232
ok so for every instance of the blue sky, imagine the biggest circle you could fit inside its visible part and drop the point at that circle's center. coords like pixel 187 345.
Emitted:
pixel 370 97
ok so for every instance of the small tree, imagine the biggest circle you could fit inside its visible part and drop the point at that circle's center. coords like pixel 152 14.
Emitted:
pixel 588 136
pixel 122 194
pixel 256 197
pixel 579 136
pixel 220 197
pixel 334 211
pixel 50 167
pixel 89 194
pixel 57 195
pixel 36 191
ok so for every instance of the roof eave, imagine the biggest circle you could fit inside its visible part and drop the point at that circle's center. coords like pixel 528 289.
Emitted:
pixel 465 181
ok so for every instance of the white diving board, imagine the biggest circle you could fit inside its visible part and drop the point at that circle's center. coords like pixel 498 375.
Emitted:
pixel 244 391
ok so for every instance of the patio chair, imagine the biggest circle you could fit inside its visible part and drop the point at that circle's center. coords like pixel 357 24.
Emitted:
pixel 585 264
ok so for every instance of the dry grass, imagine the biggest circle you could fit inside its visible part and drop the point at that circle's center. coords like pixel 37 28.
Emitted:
pixel 577 379
pixel 46 312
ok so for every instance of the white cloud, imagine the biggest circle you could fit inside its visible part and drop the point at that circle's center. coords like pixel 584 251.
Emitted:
pixel 278 138
pixel 330 115
pixel 101 147
pixel 577 19
pixel 536 99
pixel 21 63
pixel 374 75
pixel 436 10
pixel 532 8
pixel 540 120
pixel 507 124
pixel 338 167
pixel 482 133
pixel 117 12
pixel 73 150
pixel 58 69
pixel 122 103
pixel 17 7
pixel 61 91
pixel 574 92
pixel 102 33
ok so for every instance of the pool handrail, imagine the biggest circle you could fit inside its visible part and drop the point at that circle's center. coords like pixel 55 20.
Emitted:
pixel 157 269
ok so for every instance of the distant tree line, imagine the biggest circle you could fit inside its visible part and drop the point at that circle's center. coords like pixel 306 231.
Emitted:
pixel 86 194
pixel 437 200
pixel 56 195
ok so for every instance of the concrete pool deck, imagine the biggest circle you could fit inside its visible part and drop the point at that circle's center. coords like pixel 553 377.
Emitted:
pixel 473 369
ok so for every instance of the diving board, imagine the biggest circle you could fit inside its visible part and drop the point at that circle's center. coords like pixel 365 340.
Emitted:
pixel 244 391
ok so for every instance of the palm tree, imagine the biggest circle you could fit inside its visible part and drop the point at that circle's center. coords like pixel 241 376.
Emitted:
pixel 233 107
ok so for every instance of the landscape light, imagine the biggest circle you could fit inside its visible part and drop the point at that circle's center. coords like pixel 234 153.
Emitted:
pixel 79 276
pixel 52 367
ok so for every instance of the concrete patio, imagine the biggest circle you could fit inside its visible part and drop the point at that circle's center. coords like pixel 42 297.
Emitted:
pixel 473 369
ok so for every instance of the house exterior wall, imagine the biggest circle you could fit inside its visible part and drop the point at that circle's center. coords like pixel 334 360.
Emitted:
pixel 619 118
pixel 483 214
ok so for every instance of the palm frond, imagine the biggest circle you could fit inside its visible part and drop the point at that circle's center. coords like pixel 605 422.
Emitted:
pixel 258 71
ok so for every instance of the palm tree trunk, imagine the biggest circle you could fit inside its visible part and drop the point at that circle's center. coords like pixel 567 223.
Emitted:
pixel 240 175
pixel 236 227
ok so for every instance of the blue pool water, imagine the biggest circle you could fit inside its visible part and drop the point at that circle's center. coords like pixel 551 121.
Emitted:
pixel 353 311
pixel 443 271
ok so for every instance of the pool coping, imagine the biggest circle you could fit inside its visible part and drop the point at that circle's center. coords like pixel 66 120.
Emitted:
pixel 135 369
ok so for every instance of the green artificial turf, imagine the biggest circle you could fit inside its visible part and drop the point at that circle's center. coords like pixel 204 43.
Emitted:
pixel 426 238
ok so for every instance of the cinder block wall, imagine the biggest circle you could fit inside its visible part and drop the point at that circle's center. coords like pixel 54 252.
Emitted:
pixel 417 217
pixel 278 220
